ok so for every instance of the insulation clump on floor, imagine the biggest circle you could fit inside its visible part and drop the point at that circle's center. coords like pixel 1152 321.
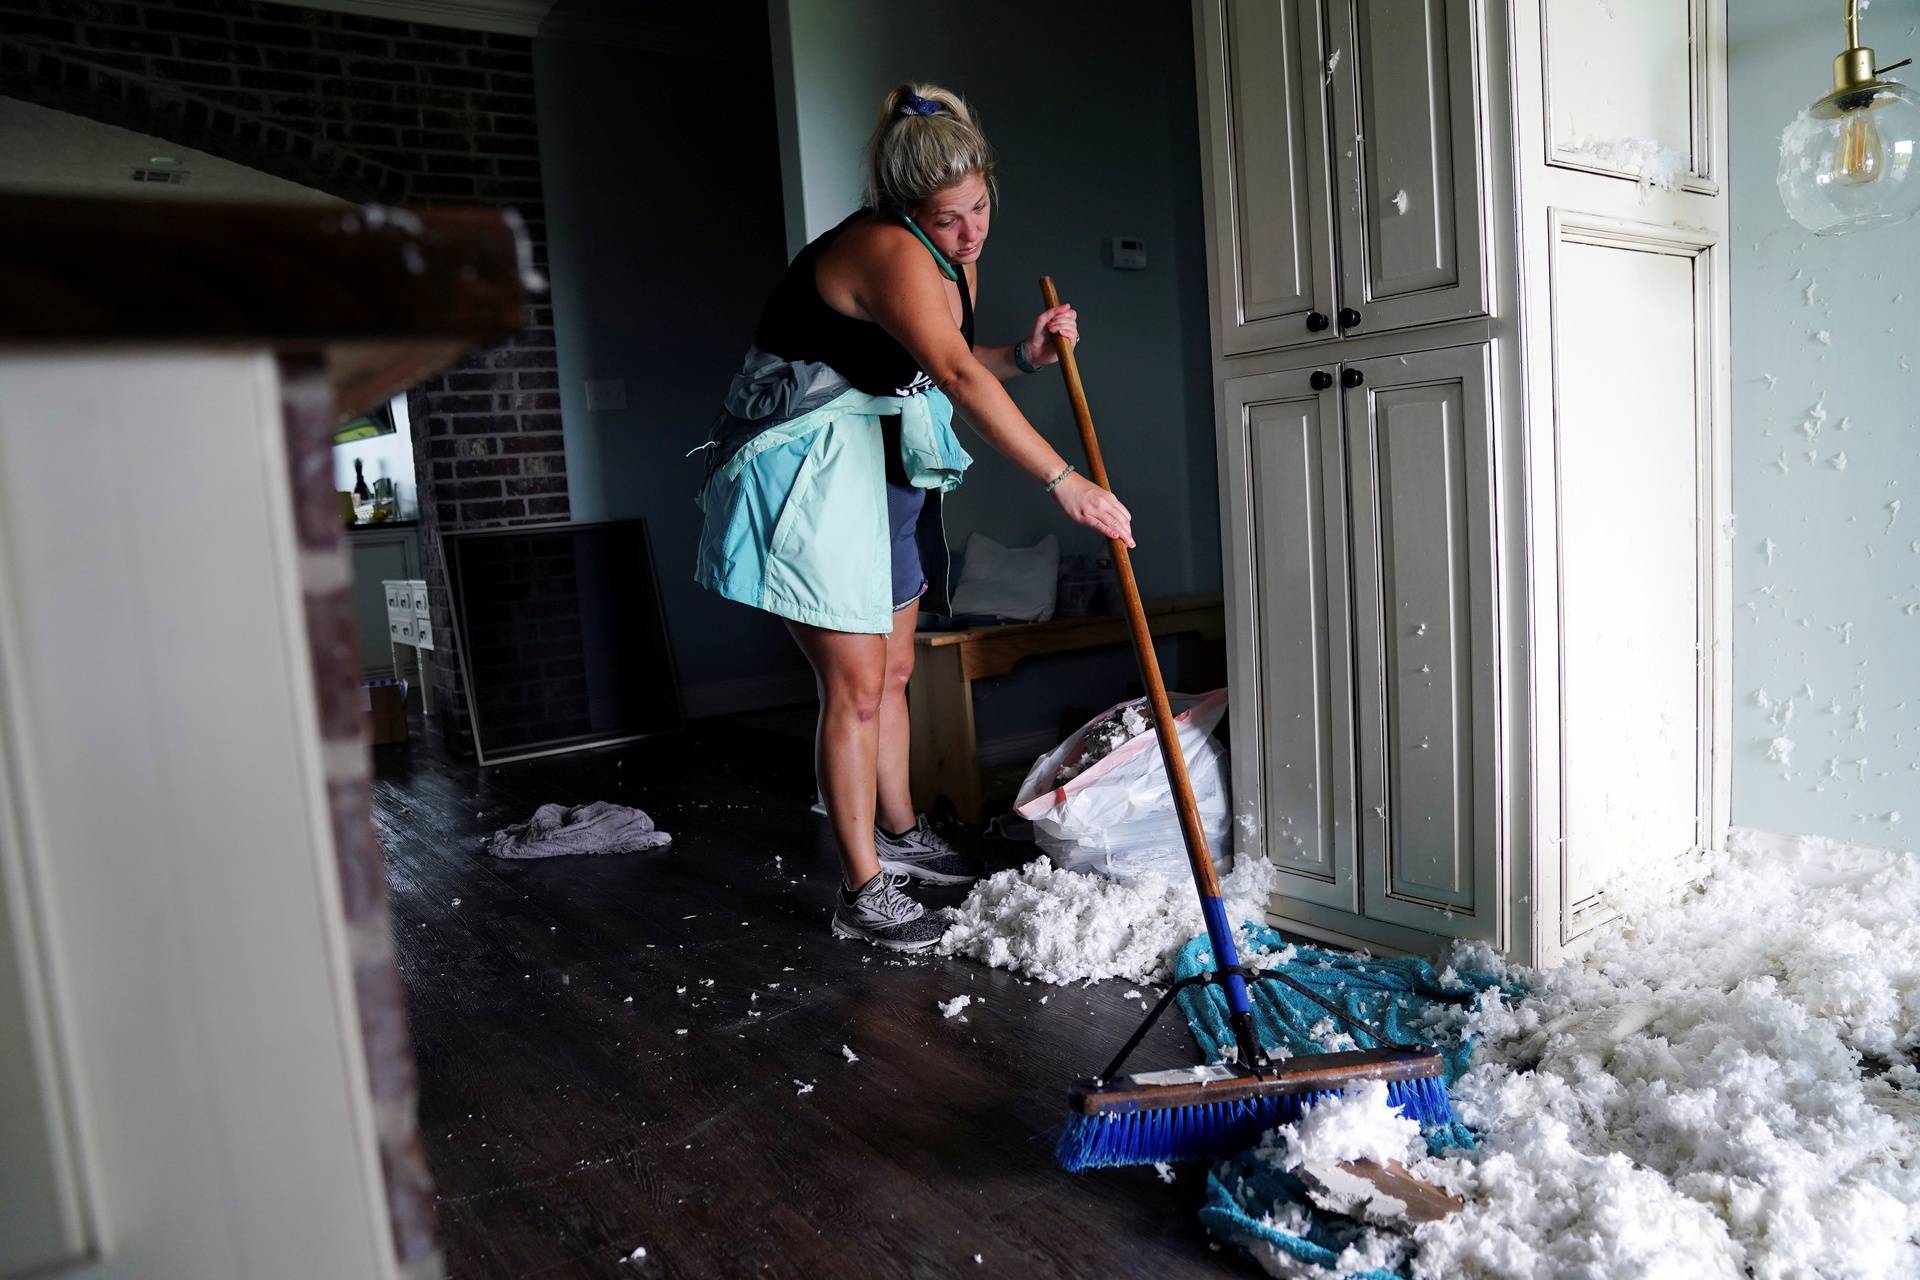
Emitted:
pixel 1726 1086
pixel 1071 926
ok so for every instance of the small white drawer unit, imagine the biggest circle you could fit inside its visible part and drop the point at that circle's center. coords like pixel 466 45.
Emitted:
pixel 409 625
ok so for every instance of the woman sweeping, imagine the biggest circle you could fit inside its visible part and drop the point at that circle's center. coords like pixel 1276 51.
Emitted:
pixel 822 499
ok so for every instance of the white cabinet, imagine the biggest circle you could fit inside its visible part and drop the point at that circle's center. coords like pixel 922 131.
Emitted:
pixel 1476 584
pixel 408 621
pixel 1269 207
pixel 1407 153
pixel 410 626
pixel 1344 167
pixel 390 606
pixel 1361 601
pixel 1420 453
pixel 1282 453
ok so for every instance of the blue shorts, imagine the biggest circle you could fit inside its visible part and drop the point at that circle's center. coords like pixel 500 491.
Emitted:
pixel 904 503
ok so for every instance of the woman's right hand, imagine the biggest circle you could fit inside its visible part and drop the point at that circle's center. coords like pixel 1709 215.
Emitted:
pixel 1086 503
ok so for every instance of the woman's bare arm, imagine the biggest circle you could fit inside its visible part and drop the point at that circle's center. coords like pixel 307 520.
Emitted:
pixel 898 286
pixel 902 290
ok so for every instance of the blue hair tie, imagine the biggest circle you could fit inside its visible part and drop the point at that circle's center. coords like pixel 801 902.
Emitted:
pixel 915 105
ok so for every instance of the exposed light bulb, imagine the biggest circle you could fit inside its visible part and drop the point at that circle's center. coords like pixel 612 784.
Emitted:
pixel 1861 156
pixel 1848 162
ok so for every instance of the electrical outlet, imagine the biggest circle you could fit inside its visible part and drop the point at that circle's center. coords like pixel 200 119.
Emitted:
pixel 606 393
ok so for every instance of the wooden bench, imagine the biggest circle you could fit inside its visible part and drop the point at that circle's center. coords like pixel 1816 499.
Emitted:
pixel 945 754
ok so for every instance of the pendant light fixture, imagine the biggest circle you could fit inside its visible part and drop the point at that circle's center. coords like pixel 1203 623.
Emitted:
pixel 1852 160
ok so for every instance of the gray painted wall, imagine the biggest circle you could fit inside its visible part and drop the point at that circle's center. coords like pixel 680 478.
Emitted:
pixel 669 222
pixel 662 178
pixel 1094 125
pixel 1826 642
pixel 1095 129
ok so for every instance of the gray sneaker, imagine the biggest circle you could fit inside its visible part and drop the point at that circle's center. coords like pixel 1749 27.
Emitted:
pixel 923 854
pixel 881 914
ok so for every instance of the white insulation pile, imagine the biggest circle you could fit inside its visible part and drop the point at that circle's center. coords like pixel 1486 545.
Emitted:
pixel 1069 926
pixel 1732 1092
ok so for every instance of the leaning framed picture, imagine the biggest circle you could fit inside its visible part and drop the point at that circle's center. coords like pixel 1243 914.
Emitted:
pixel 562 642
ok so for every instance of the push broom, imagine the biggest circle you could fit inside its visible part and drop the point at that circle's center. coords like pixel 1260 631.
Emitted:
pixel 1206 1113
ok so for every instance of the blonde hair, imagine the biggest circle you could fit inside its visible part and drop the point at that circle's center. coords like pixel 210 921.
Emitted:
pixel 912 155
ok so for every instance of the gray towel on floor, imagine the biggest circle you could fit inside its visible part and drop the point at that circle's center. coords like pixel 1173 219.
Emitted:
pixel 556 830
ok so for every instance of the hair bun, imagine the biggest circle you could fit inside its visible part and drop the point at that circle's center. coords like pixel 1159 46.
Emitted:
pixel 906 165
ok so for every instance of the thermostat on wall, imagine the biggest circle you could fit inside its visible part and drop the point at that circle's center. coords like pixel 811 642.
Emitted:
pixel 1127 253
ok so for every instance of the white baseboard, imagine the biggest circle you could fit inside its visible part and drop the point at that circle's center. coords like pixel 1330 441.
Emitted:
pixel 750 693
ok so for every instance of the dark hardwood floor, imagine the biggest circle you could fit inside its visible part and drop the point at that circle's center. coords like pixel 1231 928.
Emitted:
pixel 613 1050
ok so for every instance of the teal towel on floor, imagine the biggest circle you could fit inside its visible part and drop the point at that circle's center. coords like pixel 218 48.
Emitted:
pixel 1393 995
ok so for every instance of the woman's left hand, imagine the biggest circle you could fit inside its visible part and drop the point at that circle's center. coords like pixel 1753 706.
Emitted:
pixel 1062 320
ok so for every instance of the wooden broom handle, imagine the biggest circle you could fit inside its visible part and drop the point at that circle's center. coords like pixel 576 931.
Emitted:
pixel 1169 734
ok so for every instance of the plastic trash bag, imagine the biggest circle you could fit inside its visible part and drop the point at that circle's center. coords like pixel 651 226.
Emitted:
pixel 1116 818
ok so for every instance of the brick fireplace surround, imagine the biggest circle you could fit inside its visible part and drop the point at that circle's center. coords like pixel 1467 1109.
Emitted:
pixel 370 110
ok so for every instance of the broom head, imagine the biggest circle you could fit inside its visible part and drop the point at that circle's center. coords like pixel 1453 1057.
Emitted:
pixel 1211 1112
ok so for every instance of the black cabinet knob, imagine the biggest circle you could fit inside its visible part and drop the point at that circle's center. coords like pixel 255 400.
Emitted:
pixel 1320 380
pixel 1317 320
pixel 1349 317
pixel 1351 378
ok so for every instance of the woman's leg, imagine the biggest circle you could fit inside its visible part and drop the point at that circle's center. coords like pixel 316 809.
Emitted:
pixel 850 671
pixel 894 799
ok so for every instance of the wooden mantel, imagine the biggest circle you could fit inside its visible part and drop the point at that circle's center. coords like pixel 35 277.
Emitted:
pixel 386 296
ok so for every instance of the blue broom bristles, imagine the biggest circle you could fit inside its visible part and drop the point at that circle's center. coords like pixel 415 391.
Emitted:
pixel 1215 1130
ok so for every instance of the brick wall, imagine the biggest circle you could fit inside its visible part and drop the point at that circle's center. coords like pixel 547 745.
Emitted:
pixel 367 109
pixel 528 641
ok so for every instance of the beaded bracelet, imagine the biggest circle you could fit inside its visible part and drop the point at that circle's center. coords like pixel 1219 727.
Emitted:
pixel 1020 360
pixel 1054 483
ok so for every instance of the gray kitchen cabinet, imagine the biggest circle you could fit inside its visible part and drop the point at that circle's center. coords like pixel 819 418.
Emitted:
pixel 1357 504
pixel 1468 691
pixel 380 553
pixel 1420 450
pixel 1269 208
pixel 1287 586
pixel 1407 156
pixel 1343 172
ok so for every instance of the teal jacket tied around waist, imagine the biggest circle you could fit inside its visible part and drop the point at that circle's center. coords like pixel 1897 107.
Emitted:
pixel 796 519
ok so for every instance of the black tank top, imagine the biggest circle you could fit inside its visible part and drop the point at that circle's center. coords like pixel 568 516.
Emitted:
pixel 796 324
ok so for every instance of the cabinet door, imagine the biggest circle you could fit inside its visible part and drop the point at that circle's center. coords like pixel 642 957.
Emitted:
pixel 1633 348
pixel 1420 446
pixel 379 556
pixel 1270 217
pixel 1407 156
pixel 1285 509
